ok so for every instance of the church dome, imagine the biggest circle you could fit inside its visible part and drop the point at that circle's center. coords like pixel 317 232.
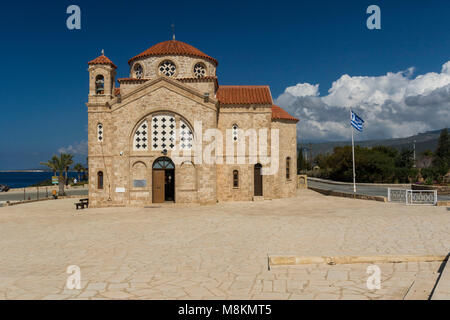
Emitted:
pixel 173 47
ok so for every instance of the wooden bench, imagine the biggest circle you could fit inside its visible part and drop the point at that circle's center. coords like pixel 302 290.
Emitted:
pixel 84 203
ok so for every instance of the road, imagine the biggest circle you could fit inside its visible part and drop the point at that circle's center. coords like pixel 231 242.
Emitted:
pixel 375 190
pixel 32 195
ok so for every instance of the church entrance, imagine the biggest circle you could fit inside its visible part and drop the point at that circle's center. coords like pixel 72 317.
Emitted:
pixel 258 182
pixel 163 185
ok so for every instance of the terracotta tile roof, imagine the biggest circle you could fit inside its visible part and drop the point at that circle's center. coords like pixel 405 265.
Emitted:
pixel 209 78
pixel 197 79
pixel 131 80
pixel 116 91
pixel 244 95
pixel 134 80
pixel 102 60
pixel 173 47
pixel 279 113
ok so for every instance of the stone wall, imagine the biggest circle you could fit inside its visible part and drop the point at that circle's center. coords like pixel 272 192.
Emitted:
pixel 116 158
pixel 245 117
pixel 284 186
pixel 204 183
pixel 184 66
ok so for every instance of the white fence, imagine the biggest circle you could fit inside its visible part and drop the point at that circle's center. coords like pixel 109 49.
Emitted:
pixel 413 197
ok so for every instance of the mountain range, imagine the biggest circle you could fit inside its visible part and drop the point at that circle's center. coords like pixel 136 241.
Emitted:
pixel 424 141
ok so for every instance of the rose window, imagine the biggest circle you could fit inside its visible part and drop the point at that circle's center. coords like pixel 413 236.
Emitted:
pixel 199 70
pixel 167 68
pixel 138 71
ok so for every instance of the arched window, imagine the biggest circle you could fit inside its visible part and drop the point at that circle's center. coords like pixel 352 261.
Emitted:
pixel 235 129
pixel 163 163
pixel 186 136
pixel 138 71
pixel 288 168
pixel 100 180
pixel 199 70
pixel 167 68
pixel 141 137
pixel 99 84
pixel 235 179
pixel 99 132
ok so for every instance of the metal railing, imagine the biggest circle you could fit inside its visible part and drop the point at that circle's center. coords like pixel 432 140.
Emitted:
pixel 412 197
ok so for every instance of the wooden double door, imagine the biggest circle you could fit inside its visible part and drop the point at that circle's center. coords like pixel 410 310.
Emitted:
pixel 163 180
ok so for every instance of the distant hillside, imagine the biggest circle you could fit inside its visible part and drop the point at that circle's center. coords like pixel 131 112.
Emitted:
pixel 424 141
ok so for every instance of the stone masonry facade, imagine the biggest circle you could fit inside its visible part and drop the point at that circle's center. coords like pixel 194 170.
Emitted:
pixel 173 87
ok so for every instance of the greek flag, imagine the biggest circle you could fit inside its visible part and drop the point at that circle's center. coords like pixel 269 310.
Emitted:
pixel 356 122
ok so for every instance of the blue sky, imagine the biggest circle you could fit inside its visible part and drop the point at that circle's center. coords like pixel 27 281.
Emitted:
pixel 282 44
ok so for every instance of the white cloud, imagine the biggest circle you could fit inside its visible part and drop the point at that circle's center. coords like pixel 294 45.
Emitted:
pixel 446 67
pixel 79 148
pixel 303 90
pixel 393 105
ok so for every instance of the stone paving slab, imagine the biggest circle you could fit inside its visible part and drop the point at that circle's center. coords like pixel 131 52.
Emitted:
pixel 442 290
pixel 217 252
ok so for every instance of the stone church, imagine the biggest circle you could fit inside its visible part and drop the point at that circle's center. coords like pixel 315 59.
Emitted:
pixel 144 134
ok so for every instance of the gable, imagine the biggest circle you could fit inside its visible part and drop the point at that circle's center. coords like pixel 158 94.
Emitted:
pixel 140 88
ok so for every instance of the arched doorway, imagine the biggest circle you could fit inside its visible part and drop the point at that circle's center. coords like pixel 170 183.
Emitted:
pixel 163 181
pixel 258 181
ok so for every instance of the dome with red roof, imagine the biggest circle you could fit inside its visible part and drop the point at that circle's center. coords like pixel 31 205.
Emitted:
pixel 173 47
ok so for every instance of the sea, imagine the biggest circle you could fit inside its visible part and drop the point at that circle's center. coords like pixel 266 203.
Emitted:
pixel 25 179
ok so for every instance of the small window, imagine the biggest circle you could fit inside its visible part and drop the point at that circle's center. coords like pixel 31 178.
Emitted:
pixel 235 132
pixel 235 179
pixel 138 71
pixel 99 84
pixel 100 132
pixel 288 168
pixel 100 180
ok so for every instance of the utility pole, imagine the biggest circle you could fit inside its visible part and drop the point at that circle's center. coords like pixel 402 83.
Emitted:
pixel 310 155
pixel 414 154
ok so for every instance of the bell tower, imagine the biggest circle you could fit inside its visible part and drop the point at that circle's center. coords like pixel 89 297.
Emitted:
pixel 102 74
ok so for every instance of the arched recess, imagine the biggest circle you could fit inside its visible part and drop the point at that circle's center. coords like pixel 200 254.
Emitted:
pixel 139 175
pixel 187 176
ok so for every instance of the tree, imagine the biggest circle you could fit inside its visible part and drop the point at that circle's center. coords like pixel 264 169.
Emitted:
pixel 68 160
pixel 78 168
pixel 60 164
pixel 442 154
pixel 405 159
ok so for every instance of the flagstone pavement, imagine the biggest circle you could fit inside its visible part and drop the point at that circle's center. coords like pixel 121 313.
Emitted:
pixel 220 251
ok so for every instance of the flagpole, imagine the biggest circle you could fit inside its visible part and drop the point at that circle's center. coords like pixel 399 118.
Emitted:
pixel 353 155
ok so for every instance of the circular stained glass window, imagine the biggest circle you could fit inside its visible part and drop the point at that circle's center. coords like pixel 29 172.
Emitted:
pixel 138 71
pixel 167 68
pixel 199 70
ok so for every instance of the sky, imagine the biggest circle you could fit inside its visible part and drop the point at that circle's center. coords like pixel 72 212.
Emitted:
pixel 318 57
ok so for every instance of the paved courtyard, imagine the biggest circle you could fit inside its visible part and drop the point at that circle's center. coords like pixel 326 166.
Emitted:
pixel 218 252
